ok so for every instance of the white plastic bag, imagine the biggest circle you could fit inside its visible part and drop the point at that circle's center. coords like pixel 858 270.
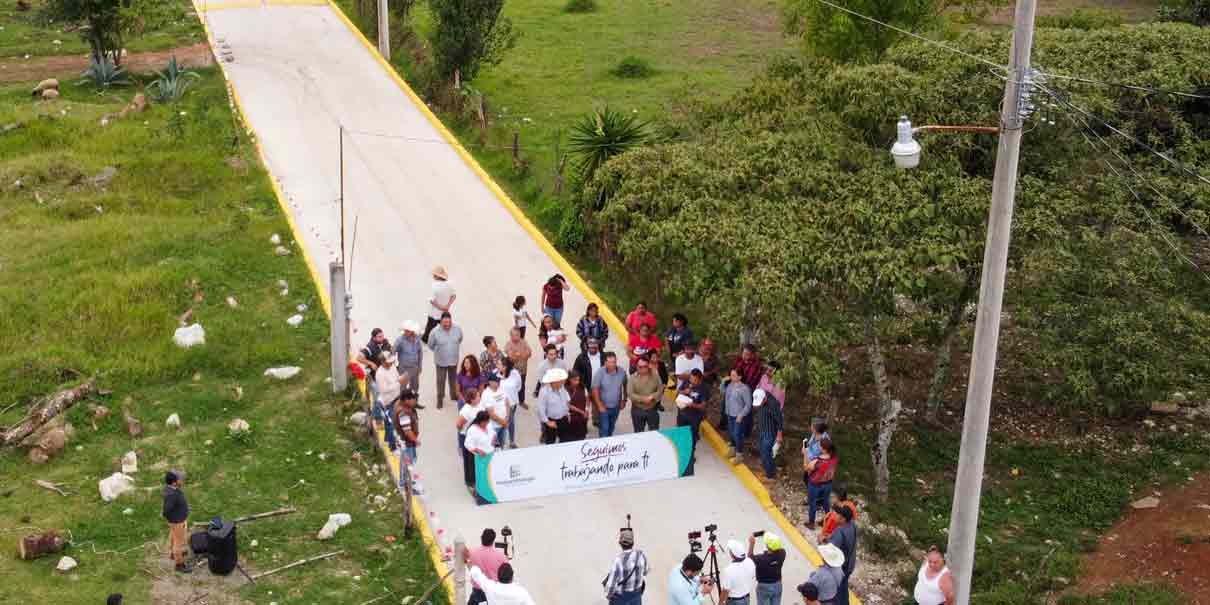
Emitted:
pixel 283 373
pixel 189 336
pixel 115 485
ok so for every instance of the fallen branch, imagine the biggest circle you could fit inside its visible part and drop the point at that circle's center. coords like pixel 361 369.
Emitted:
pixel 297 563
pixel 432 588
pixel 377 599
pixel 50 486
pixel 273 513
pixel 46 410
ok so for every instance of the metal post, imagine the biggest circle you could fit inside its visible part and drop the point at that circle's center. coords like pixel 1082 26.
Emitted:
pixel 341 152
pixel 459 570
pixel 340 327
pixel 384 30
pixel 964 516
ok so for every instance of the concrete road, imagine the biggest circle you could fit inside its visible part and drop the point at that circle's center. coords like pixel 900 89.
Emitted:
pixel 300 74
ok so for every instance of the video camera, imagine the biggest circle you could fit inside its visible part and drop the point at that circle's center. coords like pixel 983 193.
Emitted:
pixel 506 543
pixel 695 538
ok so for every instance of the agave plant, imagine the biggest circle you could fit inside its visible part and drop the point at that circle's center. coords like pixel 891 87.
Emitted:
pixel 105 73
pixel 601 135
pixel 171 82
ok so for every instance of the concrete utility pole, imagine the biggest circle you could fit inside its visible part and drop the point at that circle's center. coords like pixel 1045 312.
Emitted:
pixel 459 570
pixel 964 516
pixel 384 30
pixel 340 326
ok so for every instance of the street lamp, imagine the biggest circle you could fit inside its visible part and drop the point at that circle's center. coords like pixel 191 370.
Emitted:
pixel 906 151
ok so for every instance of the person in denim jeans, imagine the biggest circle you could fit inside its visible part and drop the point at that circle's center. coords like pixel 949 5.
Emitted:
pixel 818 474
pixel 737 402
pixel 770 424
pixel 387 381
pixel 768 568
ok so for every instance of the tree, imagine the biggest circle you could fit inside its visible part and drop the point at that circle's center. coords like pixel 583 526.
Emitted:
pixel 1196 12
pixel 468 34
pixel 102 23
pixel 830 32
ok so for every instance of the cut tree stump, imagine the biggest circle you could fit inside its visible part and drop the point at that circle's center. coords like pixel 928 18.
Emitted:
pixel 46 410
pixel 37 545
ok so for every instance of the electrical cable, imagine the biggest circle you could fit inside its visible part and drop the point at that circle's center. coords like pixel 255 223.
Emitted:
pixel 1130 86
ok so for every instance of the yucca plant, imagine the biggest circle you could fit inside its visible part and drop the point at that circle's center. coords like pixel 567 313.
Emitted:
pixel 105 73
pixel 171 82
pixel 601 135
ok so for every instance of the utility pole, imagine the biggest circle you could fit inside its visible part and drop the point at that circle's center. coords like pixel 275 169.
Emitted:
pixel 339 337
pixel 964 516
pixel 384 30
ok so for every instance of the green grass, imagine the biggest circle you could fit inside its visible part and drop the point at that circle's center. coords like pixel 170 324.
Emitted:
pixel 1133 594
pixel 99 291
pixel 26 33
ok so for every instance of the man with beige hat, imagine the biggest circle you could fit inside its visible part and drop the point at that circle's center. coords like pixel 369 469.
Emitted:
pixel 409 351
pixel 829 576
pixel 554 406
pixel 440 302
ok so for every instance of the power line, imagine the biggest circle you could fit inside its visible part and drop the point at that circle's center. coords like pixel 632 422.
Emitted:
pixel 1137 87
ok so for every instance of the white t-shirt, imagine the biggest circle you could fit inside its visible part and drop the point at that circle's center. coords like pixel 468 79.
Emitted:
pixel 519 317
pixel 511 386
pixel 684 365
pixel 553 338
pixel 479 439
pixel 739 578
pixel 495 402
pixel 594 363
pixel 469 412
pixel 442 293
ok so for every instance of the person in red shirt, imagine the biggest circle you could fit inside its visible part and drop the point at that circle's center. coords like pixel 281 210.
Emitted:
pixel 552 297
pixel 840 497
pixel 750 367
pixel 640 317
pixel 642 343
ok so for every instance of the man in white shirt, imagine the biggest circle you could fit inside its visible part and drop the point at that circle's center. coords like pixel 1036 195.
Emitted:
pixel 738 581
pixel 503 592
pixel 686 362
pixel 495 402
pixel 440 302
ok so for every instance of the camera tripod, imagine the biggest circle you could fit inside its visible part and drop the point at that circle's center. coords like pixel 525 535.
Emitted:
pixel 710 561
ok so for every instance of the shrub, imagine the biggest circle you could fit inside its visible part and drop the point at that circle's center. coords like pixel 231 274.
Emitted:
pixel 171 83
pixel 105 73
pixel 632 67
pixel 580 6
pixel 1196 12
pixel 1081 18
pixel 572 229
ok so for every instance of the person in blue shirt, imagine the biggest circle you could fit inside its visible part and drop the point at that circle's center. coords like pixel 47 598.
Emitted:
pixel 685 584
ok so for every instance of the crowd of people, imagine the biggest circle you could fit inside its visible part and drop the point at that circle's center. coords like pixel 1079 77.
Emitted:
pixel 489 389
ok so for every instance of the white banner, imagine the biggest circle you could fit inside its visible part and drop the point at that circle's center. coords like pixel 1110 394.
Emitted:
pixel 564 468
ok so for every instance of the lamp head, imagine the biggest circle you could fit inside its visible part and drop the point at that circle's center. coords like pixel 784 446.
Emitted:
pixel 905 151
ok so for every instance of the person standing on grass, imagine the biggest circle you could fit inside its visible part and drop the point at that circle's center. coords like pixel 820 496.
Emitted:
pixel 176 513
pixel 488 559
pixel 491 355
pixel 677 336
pixel 578 407
pixel 479 442
pixel 639 317
pixel 440 302
pixel 829 576
pixel 687 361
pixel 845 538
pixel 692 410
pixel 409 351
pixel 470 378
pixel 445 342
pixel 737 405
pixel 591 327
pixel 770 426
pixel 549 362
pixel 407 425
pixel 549 333
pixel 642 343
pixel 768 569
pixel 513 386
pixel 840 497
pixel 586 365
pixel 818 475
pixel 521 316
pixel 553 407
pixel 644 391
pixel 609 393
pixel 518 352
pixel 552 297
pixel 934 584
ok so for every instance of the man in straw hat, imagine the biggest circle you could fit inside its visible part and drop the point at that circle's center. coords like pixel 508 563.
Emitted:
pixel 627 579
pixel 829 576
pixel 737 582
pixel 554 406
pixel 409 351
pixel 768 568
pixel 440 302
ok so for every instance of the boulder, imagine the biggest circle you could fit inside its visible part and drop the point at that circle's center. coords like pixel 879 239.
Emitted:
pixel 47 84
pixel 189 336
pixel 174 420
pixel 50 94
pixel 239 425
pixel 275 239
pixel 1143 503
pixel 133 425
pixel 281 251
pixel 294 320
pixel 66 564
pixel 358 418
pixel 115 485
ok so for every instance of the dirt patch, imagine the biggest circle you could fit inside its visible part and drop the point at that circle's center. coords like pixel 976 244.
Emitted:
pixel 1169 543
pixel 16 69
pixel 1130 10
pixel 171 588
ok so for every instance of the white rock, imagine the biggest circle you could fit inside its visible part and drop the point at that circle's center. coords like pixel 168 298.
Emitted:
pixel 254 543
pixel 294 320
pixel 66 564
pixel 128 511
pixel 335 522
pixel 130 463
pixel 1148 502
pixel 301 308
pixel 239 425
pixel 281 283
pixel 189 336
pixel 174 421
pixel 115 485
pixel 357 418
pixel 275 239
pixel 283 373
pixel 231 302
pixel 380 500
pixel 209 442
pixel 285 292
pixel 281 251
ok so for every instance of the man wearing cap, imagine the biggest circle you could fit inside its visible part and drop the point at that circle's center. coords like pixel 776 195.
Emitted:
pixel 809 592
pixel 828 577
pixel 370 354
pixel 768 568
pixel 609 393
pixel 844 537
pixel 691 404
pixel 407 425
pixel 770 424
pixel 686 586
pixel 441 301
pixel 479 442
pixel 176 513
pixel 738 580
pixel 554 406
pixel 627 577
pixel 409 353
pixel 445 342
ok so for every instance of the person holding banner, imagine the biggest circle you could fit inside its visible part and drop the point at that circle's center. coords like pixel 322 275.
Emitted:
pixel 479 442
pixel 554 407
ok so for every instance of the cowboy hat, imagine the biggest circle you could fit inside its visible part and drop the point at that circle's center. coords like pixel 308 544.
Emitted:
pixel 439 272
pixel 554 375
pixel 833 556
pixel 736 549
pixel 758 398
pixel 409 325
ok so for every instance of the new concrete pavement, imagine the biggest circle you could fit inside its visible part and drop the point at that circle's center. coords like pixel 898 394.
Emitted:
pixel 301 74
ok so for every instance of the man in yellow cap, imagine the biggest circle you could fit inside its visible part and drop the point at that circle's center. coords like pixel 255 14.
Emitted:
pixel 768 568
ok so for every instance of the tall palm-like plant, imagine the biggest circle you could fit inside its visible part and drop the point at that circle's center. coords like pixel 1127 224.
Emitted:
pixel 601 135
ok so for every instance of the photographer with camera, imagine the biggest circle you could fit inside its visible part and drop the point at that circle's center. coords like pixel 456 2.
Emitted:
pixel 627 577
pixel 768 567
pixel 488 560
pixel 738 580
pixel 686 585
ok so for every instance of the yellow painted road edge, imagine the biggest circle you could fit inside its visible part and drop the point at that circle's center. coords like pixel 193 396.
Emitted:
pixel 418 513
pixel 745 476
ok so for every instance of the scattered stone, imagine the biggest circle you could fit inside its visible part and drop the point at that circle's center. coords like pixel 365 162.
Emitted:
pixel 130 463
pixel 133 425
pixel 102 179
pixel 231 302
pixel 1148 502
pixel 237 426
pixel 47 84
pixel 66 564
pixel 294 320
pixel 237 392
pixel 380 500
pixel 335 522
pixel 254 543
pixel 283 373
pixel 1178 397
pixel 285 292
pixel 11 126
pixel 357 418
pixel 115 485
pixel 281 283
pixel 275 239
pixel 173 421
pixel 189 336
pixel 301 308
pixel 1165 408
pixel 50 94
pixel 128 511
pixel 281 251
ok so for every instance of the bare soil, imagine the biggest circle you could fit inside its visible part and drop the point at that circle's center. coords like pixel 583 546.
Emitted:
pixel 16 69
pixel 1168 543
pixel 1130 10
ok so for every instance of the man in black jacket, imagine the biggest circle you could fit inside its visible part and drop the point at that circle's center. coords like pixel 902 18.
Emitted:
pixel 176 513
pixel 586 365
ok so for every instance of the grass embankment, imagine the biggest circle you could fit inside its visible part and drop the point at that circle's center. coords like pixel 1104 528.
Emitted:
pixel 93 275
pixel 169 24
